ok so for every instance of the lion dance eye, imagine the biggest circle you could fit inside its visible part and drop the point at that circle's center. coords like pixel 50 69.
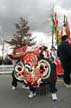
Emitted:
pixel 19 69
pixel 46 66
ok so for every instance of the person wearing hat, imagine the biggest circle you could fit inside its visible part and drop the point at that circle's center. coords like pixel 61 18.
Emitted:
pixel 64 54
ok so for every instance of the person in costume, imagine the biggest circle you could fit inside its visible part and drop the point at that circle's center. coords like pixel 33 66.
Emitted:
pixel 51 81
pixel 14 80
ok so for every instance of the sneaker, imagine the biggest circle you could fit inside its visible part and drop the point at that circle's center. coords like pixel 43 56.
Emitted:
pixel 25 87
pixel 54 97
pixel 13 87
pixel 67 85
pixel 31 95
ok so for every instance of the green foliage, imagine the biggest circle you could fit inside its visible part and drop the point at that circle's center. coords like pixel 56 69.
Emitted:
pixel 22 36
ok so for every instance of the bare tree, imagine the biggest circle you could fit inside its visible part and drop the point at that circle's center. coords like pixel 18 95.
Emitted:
pixel 22 36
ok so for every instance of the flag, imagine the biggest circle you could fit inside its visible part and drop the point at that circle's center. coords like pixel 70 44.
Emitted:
pixel 55 20
pixel 56 29
pixel 53 24
pixel 66 28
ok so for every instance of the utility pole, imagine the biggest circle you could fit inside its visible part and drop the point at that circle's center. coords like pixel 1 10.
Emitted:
pixel 52 38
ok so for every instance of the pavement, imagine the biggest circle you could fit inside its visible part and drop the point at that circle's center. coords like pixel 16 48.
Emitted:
pixel 18 98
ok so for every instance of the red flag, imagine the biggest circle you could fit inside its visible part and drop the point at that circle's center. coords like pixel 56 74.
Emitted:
pixel 57 32
pixel 55 20
pixel 67 29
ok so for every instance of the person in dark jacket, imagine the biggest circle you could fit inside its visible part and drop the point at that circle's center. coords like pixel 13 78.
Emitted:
pixel 64 54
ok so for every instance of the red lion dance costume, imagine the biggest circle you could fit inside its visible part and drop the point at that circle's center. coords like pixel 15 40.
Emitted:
pixel 34 68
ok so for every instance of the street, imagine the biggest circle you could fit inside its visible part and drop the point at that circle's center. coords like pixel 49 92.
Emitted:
pixel 18 98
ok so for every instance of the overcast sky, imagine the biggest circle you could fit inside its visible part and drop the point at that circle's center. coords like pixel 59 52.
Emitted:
pixel 37 12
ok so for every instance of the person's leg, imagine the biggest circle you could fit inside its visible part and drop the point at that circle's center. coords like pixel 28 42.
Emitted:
pixel 66 76
pixel 25 85
pixel 53 90
pixel 32 91
pixel 14 81
pixel 52 86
